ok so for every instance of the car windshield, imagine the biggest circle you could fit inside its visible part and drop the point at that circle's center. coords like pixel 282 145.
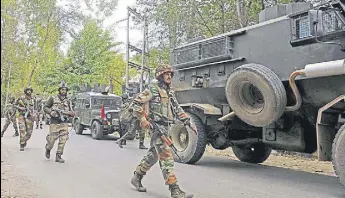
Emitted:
pixel 106 101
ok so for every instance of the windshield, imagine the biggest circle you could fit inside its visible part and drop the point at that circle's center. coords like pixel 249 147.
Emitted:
pixel 106 101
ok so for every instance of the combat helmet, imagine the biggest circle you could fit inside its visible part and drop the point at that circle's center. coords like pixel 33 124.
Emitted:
pixel 11 99
pixel 63 85
pixel 28 88
pixel 161 69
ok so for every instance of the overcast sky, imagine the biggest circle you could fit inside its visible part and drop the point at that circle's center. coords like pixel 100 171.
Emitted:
pixel 120 13
pixel 121 33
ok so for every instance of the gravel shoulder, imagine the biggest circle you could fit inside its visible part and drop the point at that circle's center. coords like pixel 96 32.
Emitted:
pixel 294 162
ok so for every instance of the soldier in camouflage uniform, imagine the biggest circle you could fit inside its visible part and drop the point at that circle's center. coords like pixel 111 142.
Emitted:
pixel 60 109
pixel 153 104
pixel 131 127
pixel 25 106
pixel 39 111
pixel 10 114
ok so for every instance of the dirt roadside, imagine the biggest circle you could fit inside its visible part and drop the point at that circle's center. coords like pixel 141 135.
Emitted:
pixel 293 162
pixel 13 184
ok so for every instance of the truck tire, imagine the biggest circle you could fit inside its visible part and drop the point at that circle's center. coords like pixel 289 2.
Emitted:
pixel 96 131
pixel 338 155
pixel 256 94
pixel 255 153
pixel 78 127
pixel 190 147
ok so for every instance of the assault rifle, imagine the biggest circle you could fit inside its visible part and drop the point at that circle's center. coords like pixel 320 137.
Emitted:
pixel 157 132
pixel 60 114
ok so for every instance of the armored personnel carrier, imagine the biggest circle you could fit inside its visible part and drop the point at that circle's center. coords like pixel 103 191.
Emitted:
pixel 279 84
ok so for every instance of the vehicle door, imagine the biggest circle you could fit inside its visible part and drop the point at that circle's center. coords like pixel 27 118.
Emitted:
pixel 88 110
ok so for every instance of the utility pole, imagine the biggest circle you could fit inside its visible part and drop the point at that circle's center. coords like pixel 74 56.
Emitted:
pixel 144 51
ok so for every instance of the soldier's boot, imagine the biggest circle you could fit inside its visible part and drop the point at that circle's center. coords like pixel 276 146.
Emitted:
pixel 176 192
pixel 120 142
pixel 59 159
pixel 36 126
pixel 15 134
pixel 21 147
pixel 142 146
pixel 136 181
pixel 47 154
pixel 41 126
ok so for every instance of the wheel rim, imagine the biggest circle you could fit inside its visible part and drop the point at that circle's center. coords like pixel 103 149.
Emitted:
pixel 94 130
pixel 251 99
pixel 181 139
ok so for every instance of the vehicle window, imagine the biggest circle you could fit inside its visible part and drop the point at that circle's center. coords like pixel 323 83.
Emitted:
pixel 97 102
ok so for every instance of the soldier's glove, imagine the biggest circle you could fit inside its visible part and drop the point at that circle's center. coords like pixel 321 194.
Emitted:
pixel 145 124
pixel 53 114
pixel 190 125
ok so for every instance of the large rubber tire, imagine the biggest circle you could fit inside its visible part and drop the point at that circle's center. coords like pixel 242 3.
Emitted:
pixel 338 155
pixel 255 153
pixel 256 94
pixel 96 131
pixel 192 149
pixel 78 127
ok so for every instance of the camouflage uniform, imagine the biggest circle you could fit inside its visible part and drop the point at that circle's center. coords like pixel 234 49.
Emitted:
pixel 38 111
pixel 132 126
pixel 154 102
pixel 10 115
pixel 58 129
pixel 25 106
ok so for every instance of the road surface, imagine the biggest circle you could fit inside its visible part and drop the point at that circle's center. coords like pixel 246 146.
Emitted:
pixel 100 169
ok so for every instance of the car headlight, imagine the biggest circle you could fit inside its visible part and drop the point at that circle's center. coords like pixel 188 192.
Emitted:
pixel 108 115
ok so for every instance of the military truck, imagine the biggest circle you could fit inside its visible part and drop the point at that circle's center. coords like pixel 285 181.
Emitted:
pixel 97 111
pixel 279 84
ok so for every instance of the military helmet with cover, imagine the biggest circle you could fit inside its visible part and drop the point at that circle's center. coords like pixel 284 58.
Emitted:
pixel 161 69
pixel 28 88
pixel 63 85
pixel 11 99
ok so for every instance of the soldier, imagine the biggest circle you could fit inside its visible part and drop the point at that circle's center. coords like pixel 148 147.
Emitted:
pixel 154 102
pixel 25 106
pixel 59 108
pixel 39 111
pixel 10 114
pixel 130 126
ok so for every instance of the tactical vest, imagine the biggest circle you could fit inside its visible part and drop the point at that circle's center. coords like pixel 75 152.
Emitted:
pixel 25 103
pixel 63 105
pixel 159 105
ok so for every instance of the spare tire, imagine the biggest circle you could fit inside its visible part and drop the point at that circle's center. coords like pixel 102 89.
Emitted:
pixel 256 94
pixel 190 146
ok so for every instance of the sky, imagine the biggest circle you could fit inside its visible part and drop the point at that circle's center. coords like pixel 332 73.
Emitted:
pixel 121 33
pixel 120 13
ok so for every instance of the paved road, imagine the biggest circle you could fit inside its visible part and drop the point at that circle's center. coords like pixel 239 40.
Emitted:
pixel 99 169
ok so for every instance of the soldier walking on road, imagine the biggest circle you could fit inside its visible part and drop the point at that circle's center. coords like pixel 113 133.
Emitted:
pixel 39 111
pixel 25 106
pixel 130 126
pixel 10 114
pixel 154 102
pixel 60 109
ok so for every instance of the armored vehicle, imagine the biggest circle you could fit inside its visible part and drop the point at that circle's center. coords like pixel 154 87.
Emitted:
pixel 279 84
pixel 98 112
